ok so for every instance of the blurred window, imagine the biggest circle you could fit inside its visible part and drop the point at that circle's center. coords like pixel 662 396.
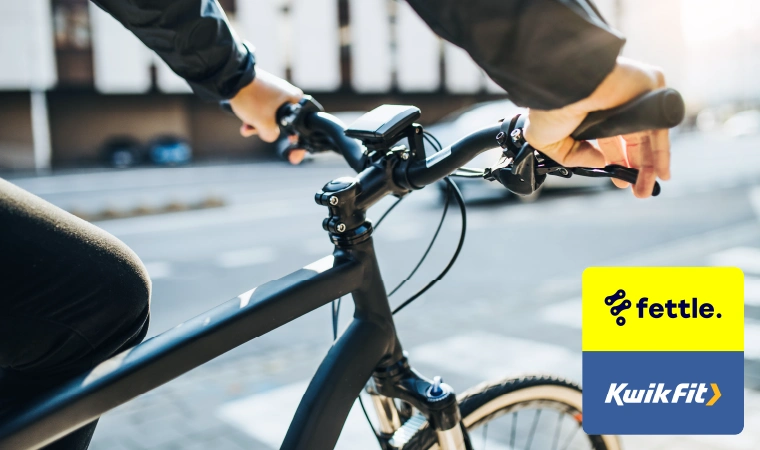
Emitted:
pixel 72 25
pixel 73 45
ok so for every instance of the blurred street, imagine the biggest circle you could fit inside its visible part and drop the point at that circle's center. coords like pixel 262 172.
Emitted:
pixel 514 293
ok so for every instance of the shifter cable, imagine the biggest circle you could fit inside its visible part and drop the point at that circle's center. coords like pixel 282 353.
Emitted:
pixel 452 188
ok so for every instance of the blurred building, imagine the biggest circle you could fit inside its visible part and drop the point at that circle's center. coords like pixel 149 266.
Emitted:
pixel 71 77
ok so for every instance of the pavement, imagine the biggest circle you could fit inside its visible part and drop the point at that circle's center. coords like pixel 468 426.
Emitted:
pixel 510 305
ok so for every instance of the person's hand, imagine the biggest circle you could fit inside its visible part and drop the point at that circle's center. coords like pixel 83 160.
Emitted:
pixel 649 151
pixel 256 104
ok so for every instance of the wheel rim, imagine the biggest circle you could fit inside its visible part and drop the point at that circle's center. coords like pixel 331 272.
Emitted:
pixel 539 417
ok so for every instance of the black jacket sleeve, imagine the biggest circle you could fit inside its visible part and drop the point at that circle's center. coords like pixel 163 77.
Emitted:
pixel 546 53
pixel 195 40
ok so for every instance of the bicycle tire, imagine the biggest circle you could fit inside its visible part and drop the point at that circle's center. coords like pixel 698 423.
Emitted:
pixel 490 400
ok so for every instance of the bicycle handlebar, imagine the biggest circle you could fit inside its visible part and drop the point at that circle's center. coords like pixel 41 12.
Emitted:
pixel 659 109
pixel 663 108
pixel 451 158
pixel 332 127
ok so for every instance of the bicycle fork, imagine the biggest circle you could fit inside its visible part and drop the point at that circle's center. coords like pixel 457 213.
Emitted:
pixel 434 401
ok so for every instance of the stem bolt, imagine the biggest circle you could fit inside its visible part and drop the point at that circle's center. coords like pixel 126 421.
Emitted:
pixel 334 200
pixel 501 139
pixel 341 227
pixel 517 136
pixel 405 156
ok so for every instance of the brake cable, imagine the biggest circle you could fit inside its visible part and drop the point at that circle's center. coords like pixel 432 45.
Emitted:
pixel 465 172
pixel 430 246
pixel 451 188
pixel 463 211
pixel 388 211
pixel 430 138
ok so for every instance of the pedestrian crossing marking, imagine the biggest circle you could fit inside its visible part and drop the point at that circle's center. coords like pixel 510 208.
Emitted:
pixel 745 258
pixel 567 313
pixel 751 291
pixel 496 356
pixel 751 339
pixel 245 257
pixel 158 269
pixel 267 415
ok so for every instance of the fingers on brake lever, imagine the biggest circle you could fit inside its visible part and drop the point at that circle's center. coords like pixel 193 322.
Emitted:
pixel 629 175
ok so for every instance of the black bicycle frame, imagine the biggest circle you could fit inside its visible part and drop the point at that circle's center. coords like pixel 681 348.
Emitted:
pixel 369 348
pixel 368 344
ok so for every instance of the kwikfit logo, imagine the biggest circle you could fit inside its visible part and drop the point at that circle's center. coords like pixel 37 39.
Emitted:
pixel 683 393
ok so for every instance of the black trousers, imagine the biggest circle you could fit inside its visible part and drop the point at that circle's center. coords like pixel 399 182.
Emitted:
pixel 71 296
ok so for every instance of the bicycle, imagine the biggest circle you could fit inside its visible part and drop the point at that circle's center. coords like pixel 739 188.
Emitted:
pixel 413 412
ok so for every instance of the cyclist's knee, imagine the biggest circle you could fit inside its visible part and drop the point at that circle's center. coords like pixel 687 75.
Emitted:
pixel 108 303
pixel 101 308
pixel 124 298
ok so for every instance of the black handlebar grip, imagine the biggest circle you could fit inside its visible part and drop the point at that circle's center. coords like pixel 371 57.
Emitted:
pixel 663 108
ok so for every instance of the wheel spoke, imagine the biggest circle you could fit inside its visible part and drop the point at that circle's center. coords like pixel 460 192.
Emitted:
pixel 538 428
pixel 533 429
pixel 556 434
pixel 514 430
pixel 572 436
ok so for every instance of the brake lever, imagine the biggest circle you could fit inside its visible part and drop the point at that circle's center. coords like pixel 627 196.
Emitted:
pixel 627 174
pixel 290 118
pixel 523 169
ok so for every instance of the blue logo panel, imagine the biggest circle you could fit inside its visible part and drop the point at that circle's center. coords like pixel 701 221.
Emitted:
pixel 663 392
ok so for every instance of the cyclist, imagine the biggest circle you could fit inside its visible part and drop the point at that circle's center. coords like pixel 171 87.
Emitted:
pixel 73 295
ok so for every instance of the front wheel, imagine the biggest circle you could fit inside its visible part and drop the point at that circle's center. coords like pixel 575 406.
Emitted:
pixel 535 412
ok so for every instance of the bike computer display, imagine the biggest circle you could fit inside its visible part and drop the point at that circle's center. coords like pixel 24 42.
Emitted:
pixel 383 123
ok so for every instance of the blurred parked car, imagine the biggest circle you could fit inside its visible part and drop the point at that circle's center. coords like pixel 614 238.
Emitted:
pixel 169 151
pixel 464 121
pixel 122 151
pixel 745 123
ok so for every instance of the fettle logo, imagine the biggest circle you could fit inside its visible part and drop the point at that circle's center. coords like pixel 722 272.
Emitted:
pixel 669 309
pixel 616 310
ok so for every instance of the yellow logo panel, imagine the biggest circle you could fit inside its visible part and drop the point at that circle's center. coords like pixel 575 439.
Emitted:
pixel 663 309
